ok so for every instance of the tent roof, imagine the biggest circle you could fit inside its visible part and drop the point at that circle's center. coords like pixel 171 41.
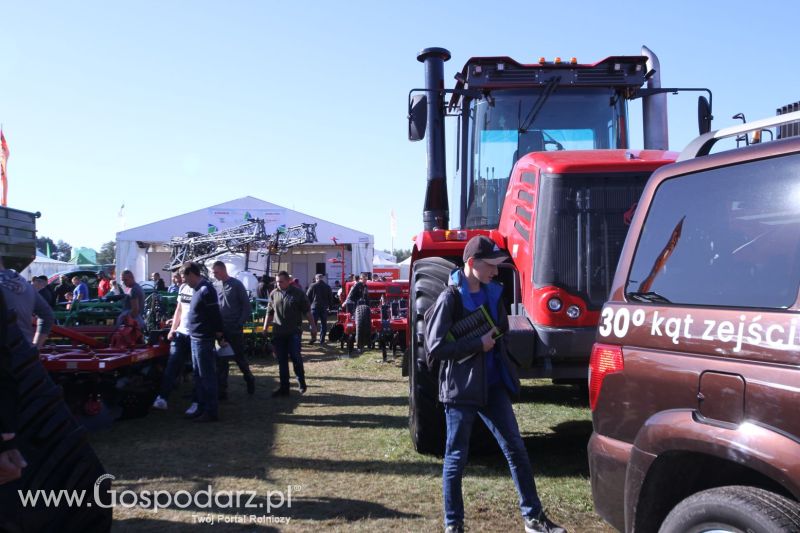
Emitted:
pixel 164 230
pixel 379 261
pixel 42 258
pixel 385 256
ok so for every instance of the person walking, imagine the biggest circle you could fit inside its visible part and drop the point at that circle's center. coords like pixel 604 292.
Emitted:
pixel 320 296
pixel 204 322
pixel 234 304
pixel 477 378
pixel 285 310
pixel 180 350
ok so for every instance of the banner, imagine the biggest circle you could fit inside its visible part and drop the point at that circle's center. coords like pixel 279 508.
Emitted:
pixel 220 219
pixel 333 266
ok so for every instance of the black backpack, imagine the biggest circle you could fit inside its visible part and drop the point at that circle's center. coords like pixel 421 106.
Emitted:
pixel 458 312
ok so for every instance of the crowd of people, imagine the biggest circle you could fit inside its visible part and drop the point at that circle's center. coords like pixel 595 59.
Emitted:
pixel 476 378
pixel 207 328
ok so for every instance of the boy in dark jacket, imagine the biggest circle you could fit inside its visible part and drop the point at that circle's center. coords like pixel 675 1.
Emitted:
pixel 477 378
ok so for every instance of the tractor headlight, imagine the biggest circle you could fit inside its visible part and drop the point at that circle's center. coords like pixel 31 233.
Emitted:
pixel 554 304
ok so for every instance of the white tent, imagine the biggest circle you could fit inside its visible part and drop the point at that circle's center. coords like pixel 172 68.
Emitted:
pixel 405 268
pixel 44 266
pixel 144 250
pixel 385 257
pixel 380 261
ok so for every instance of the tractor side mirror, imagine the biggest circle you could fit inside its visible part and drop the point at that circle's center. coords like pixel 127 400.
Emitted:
pixel 704 115
pixel 417 117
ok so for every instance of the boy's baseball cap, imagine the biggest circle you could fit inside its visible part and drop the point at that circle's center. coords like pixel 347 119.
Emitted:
pixel 485 249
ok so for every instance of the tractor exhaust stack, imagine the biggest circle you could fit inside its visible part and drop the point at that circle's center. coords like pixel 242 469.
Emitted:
pixel 436 212
pixel 654 107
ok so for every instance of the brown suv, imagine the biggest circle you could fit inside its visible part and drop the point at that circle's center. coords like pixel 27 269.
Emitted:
pixel 695 378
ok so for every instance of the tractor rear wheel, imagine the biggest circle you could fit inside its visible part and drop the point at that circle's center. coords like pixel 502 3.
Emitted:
pixel 425 414
pixel 363 319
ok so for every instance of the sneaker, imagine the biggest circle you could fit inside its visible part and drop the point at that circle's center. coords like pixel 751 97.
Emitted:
pixel 251 384
pixel 454 528
pixel 280 392
pixel 542 524
pixel 303 388
pixel 160 404
pixel 192 410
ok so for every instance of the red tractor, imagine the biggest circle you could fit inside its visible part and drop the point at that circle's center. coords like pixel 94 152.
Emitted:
pixel 546 171
pixel 381 319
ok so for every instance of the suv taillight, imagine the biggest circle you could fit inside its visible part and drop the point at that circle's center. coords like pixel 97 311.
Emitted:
pixel 606 359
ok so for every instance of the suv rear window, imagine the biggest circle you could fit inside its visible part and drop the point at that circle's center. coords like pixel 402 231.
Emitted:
pixel 723 237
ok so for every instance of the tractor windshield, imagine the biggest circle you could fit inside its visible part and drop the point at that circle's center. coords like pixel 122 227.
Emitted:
pixel 580 230
pixel 507 124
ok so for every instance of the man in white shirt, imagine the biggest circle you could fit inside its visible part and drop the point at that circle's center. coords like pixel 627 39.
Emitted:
pixel 179 350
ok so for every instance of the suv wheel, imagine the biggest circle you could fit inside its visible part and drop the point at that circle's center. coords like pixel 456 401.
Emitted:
pixel 733 508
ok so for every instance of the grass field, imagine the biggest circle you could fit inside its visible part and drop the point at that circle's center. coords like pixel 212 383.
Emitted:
pixel 344 453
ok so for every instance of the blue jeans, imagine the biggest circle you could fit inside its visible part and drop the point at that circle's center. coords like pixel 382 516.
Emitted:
pixel 498 416
pixel 204 367
pixel 180 350
pixel 321 316
pixel 288 346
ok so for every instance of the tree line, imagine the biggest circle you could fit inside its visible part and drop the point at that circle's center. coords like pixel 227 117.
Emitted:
pixel 62 250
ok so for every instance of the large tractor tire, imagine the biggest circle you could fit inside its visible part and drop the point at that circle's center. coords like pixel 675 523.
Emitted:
pixel 54 446
pixel 425 413
pixel 363 320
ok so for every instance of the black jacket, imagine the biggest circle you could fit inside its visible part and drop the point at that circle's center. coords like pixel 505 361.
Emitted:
pixel 320 295
pixel 358 292
pixel 463 380
pixel 204 319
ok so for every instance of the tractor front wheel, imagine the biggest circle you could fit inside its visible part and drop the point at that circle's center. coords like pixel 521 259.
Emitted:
pixel 425 414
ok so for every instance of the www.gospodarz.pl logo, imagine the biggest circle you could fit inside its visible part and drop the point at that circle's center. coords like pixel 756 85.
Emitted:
pixel 204 499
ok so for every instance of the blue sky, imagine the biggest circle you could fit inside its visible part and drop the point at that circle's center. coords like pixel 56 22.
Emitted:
pixel 174 106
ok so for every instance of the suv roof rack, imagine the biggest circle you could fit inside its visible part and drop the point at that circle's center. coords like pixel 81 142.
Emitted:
pixel 702 145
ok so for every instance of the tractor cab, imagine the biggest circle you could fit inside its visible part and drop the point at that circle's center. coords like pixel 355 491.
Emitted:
pixel 511 110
